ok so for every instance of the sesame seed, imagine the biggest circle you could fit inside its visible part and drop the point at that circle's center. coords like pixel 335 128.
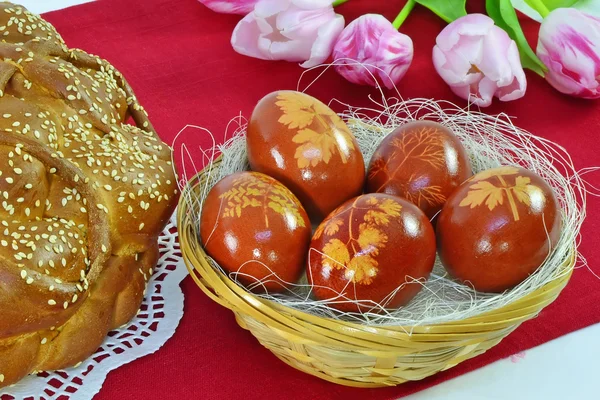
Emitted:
pixel 23 274
pixel 141 226
pixel 51 302
pixel 44 341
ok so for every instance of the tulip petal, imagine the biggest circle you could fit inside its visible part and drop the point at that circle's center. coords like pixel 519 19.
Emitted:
pixel 370 49
pixel 291 50
pixel 321 48
pixel 303 24
pixel 269 8
pixel 479 61
pixel 394 56
pixel 292 30
pixel 242 7
pixel 569 45
pixel 494 61
pixel 244 38
pixel 517 87
pixel 312 4
pixel 470 25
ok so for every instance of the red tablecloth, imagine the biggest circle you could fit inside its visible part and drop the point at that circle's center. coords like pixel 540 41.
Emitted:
pixel 177 57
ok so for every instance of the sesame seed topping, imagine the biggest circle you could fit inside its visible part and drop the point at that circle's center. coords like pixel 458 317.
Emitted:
pixel 51 302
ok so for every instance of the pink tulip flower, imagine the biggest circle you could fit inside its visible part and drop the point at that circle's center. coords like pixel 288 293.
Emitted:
pixel 370 49
pixel 242 7
pixel 292 30
pixel 569 45
pixel 479 61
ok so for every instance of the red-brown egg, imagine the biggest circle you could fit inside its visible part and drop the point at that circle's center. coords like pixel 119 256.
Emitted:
pixel 498 228
pixel 301 142
pixel 254 227
pixel 422 161
pixel 368 248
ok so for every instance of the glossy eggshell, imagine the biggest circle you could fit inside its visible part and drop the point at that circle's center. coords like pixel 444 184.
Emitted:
pixel 422 161
pixel 253 225
pixel 301 142
pixel 366 249
pixel 497 228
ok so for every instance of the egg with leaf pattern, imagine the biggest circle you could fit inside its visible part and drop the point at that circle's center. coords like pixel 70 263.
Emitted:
pixel 498 227
pixel 256 230
pixel 304 144
pixel 375 251
pixel 422 161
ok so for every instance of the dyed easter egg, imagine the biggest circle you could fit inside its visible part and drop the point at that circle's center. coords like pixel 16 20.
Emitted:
pixel 497 228
pixel 366 249
pixel 301 142
pixel 255 228
pixel 422 161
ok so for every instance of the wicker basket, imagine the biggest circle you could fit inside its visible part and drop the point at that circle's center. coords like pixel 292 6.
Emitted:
pixel 349 353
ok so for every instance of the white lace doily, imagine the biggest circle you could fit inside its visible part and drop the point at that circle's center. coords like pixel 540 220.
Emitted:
pixel 159 315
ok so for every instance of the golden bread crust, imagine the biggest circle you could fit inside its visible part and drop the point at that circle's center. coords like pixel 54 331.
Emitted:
pixel 83 198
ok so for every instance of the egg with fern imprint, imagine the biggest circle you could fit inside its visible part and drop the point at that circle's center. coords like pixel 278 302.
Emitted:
pixel 498 228
pixel 422 161
pixel 304 144
pixel 256 230
pixel 373 251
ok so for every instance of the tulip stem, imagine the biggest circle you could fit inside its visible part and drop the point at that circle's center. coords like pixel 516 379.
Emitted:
pixel 539 6
pixel 338 2
pixel 410 4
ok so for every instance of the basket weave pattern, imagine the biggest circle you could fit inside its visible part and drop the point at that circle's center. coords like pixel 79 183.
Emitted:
pixel 348 353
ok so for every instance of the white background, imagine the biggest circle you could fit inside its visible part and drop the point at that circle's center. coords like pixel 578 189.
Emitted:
pixel 566 368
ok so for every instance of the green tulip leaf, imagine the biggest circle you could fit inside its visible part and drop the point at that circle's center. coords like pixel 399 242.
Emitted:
pixel 505 16
pixel 554 4
pixel 448 10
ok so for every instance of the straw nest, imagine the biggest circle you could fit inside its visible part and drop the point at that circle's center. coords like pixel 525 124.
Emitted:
pixel 447 322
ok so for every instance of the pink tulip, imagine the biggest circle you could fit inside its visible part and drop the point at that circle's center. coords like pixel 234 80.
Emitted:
pixel 479 61
pixel 230 6
pixel 569 45
pixel 292 30
pixel 371 47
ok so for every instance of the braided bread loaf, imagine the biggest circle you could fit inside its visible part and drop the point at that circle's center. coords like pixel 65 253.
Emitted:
pixel 83 198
